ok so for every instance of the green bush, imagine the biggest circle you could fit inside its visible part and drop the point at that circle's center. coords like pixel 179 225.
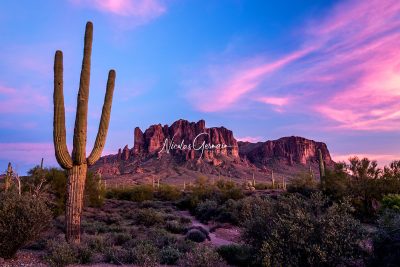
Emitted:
pixel 168 193
pixel 147 217
pixel 60 253
pixel 196 235
pixel 95 190
pixel 144 254
pixel 206 210
pixel 202 256
pixel 386 241
pixel 138 193
pixel 169 255
pixel 175 227
pixel 298 231
pixel 22 219
pixel 303 183
pixel 236 255
pixel 391 202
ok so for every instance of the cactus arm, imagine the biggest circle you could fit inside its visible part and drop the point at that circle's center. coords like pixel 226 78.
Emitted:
pixel 59 139
pixel 80 131
pixel 104 121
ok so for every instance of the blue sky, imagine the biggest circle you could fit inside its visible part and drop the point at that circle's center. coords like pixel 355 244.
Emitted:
pixel 325 70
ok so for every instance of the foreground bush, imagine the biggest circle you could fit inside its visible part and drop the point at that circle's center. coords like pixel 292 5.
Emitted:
pixel 236 255
pixel 22 219
pixel 391 202
pixel 386 242
pixel 202 256
pixel 298 231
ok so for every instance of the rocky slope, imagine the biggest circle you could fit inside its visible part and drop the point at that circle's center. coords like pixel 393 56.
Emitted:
pixel 185 150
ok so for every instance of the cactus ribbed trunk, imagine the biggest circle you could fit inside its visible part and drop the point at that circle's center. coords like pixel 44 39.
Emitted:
pixel 74 205
pixel 77 165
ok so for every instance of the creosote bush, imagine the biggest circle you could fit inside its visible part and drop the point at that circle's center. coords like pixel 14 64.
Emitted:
pixel 22 219
pixel 202 256
pixel 298 231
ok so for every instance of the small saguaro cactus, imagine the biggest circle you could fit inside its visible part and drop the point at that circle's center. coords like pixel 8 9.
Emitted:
pixel 321 166
pixel 76 165
pixel 272 179
pixel 7 179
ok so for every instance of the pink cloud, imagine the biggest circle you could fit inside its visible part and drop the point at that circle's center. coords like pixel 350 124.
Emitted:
pixel 23 100
pixel 237 83
pixel 251 139
pixel 27 153
pixel 146 9
pixel 349 73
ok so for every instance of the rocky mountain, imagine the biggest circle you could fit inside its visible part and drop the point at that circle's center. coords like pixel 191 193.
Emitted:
pixel 186 150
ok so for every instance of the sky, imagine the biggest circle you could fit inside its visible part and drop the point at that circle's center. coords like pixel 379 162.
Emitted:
pixel 322 69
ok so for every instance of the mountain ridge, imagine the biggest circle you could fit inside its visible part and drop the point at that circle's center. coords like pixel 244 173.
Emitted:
pixel 173 153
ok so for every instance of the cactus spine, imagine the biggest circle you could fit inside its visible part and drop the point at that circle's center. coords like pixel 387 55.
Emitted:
pixel 76 165
pixel 321 166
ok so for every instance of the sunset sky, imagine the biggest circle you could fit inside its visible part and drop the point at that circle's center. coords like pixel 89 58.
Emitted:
pixel 324 70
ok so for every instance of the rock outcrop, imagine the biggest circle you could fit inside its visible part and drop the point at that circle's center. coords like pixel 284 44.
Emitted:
pixel 184 139
pixel 292 150
pixel 165 150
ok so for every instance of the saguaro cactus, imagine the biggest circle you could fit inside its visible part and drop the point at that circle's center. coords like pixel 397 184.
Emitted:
pixel 321 166
pixel 76 165
pixel 7 179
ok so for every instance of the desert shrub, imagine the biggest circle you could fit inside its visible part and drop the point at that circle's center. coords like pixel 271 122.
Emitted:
pixel 206 210
pixel 202 256
pixel 236 255
pixel 299 231
pixel 168 193
pixel 117 255
pixel 94 227
pixel 391 202
pixel 386 241
pixel 57 182
pixel 144 254
pixel 196 235
pixel 22 219
pixel 336 183
pixel 184 245
pixel 119 239
pixel 147 217
pixel 169 255
pixel 95 190
pixel 229 212
pixel 97 243
pixel 60 253
pixel 160 238
pixel 303 183
pixel 263 186
pixel 138 193
pixel 175 227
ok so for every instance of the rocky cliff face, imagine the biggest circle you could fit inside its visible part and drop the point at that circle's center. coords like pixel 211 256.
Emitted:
pixel 183 139
pixel 291 150
pixel 191 145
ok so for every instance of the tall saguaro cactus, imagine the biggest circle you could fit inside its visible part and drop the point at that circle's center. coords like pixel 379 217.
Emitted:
pixel 321 166
pixel 76 165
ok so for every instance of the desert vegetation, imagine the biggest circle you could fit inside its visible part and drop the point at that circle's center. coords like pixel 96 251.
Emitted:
pixel 352 218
